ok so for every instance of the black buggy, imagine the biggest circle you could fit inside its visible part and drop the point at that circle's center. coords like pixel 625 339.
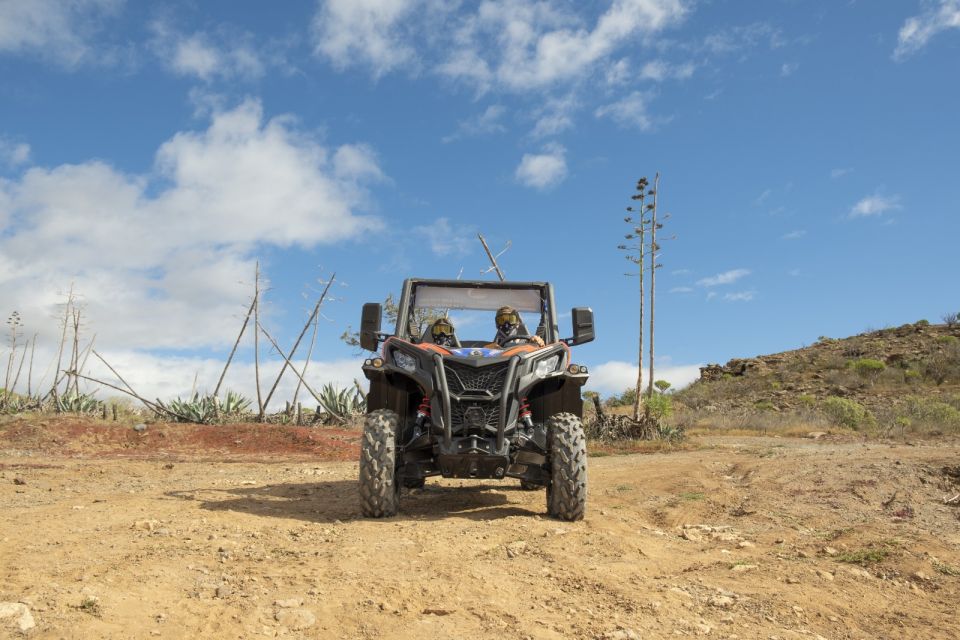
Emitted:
pixel 474 409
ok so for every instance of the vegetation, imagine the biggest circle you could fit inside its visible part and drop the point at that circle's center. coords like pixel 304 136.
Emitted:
pixel 844 412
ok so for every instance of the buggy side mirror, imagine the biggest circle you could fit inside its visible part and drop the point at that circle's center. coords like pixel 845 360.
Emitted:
pixel 582 318
pixel 370 325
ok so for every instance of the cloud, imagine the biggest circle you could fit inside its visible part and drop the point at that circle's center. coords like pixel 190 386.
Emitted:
pixel 763 197
pixel 739 296
pixel 875 205
pixel 543 170
pixel 486 123
pixel 787 69
pixel 727 277
pixel 659 70
pixel 839 173
pixel 160 255
pixel 681 290
pixel 518 46
pixel 207 56
pixel 736 39
pixel 366 32
pixel 13 154
pixel 444 239
pixel 794 235
pixel 555 117
pixel 615 376
pixel 917 31
pixel 58 30
pixel 630 111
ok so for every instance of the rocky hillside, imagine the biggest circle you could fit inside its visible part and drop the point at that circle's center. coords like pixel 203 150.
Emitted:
pixel 896 376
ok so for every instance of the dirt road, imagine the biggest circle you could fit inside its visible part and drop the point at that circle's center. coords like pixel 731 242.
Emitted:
pixel 743 538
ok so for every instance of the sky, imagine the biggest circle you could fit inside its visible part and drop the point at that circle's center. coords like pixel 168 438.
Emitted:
pixel 151 154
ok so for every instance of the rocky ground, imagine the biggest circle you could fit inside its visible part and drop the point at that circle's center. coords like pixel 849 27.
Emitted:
pixel 741 538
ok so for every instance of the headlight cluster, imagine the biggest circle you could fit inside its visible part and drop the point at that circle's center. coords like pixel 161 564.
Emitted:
pixel 547 365
pixel 405 361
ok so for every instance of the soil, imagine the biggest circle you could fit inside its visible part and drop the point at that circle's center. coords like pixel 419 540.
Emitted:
pixel 741 537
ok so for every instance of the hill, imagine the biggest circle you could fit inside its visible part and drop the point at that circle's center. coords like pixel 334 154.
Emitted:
pixel 905 378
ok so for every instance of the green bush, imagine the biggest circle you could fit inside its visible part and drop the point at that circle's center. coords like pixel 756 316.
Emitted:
pixel 922 323
pixel 764 405
pixel 625 399
pixel 844 412
pixel 934 411
pixel 948 340
pixel 868 367
pixel 659 406
pixel 806 400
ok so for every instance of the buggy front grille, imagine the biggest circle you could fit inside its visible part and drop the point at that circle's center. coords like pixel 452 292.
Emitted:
pixel 475 416
pixel 466 379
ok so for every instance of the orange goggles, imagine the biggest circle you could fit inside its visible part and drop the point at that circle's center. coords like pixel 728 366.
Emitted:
pixel 441 329
pixel 508 317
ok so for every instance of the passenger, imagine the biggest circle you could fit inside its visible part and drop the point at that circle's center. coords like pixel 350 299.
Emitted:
pixel 442 334
pixel 508 327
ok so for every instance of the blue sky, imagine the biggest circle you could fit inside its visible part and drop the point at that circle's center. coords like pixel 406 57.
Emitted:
pixel 150 153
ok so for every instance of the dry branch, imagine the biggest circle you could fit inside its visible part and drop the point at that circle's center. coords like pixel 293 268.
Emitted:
pixel 243 328
pixel 293 350
pixel 277 347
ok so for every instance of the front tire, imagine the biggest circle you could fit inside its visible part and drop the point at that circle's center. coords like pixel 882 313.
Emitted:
pixel 567 491
pixel 526 485
pixel 379 489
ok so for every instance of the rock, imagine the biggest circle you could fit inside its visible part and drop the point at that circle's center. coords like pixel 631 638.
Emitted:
pixel 745 544
pixel 722 602
pixel 920 575
pixel 793 580
pixel 139 427
pixel 517 548
pixel 816 435
pixel 859 573
pixel 830 551
pixel 19 481
pixel 145 525
pixel 740 568
pixel 693 535
pixel 295 618
pixel 703 629
pixel 622 634
pixel 224 591
pixel 825 575
pixel 289 603
pixel 16 614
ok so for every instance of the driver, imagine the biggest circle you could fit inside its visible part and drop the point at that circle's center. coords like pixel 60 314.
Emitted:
pixel 508 328
pixel 442 333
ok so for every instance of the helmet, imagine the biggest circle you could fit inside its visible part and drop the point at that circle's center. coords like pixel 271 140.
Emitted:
pixel 441 331
pixel 507 320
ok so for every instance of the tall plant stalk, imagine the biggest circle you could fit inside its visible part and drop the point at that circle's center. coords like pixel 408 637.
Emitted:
pixel 256 340
pixel 653 273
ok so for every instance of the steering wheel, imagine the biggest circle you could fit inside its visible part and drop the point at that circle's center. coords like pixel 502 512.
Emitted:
pixel 526 339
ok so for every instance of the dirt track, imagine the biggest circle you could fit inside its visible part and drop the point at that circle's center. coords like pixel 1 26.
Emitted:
pixel 124 548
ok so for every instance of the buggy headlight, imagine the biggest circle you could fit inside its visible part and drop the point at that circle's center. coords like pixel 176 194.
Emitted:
pixel 547 365
pixel 405 361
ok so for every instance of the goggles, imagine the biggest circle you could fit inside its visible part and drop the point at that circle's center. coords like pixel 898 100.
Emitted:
pixel 508 317
pixel 441 329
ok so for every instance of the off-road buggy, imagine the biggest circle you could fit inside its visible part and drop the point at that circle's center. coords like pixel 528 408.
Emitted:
pixel 474 409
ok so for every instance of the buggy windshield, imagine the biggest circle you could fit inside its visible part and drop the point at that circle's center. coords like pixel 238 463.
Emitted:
pixel 471 311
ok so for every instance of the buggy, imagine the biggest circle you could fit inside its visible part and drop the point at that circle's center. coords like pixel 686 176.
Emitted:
pixel 475 409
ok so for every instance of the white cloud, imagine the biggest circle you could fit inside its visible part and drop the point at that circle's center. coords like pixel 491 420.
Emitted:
pixel 368 32
pixel 794 235
pixel 543 170
pixel 13 154
pixel 875 205
pixel 727 277
pixel 486 123
pixel 840 172
pixel 630 111
pixel 59 30
pixel 917 31
pixel 160 255
pixel 614 377
pixel 739 296
pixel 659 70
pixel 207 56
pixel 681 290
pixel 516 45
pixel 763 197
pixel 444 239
pixel 787 69
pixel 555 117
pixel 735 39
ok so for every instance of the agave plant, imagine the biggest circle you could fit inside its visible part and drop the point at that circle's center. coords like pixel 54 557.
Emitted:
pixel 200 409
pixel 78 403
pixel 342 403
pixel 233 403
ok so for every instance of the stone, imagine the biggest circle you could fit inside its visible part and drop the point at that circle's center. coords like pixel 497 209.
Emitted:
pixel 745 544
pixel 816 435
pixel 830 551
pixel 289 603
pixel 146 525
pixel 740 568
pixel 825 575
pixel 517 548
pixel 622 634
pixel 224 591
pixel 18 614
pixel 722 602
pixel 295 619
pixel 19 481
pixel 139 427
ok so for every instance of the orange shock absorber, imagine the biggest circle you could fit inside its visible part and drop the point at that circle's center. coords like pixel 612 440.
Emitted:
pixel 423 411
pixel 526 416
